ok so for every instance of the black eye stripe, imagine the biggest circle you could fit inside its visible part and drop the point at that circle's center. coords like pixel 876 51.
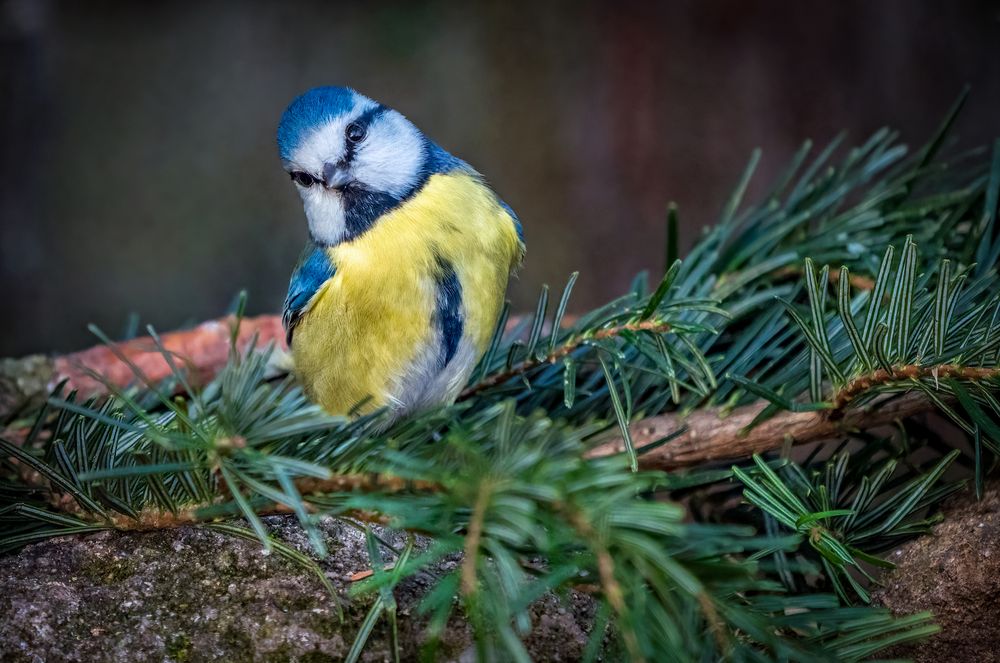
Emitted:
pixel 363 122
pixel 365 119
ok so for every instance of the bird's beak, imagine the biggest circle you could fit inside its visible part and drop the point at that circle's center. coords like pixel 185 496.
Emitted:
pixel 334 176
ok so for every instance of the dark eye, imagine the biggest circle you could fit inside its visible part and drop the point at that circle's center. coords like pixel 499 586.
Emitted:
pixel 302 179
pixel 355 132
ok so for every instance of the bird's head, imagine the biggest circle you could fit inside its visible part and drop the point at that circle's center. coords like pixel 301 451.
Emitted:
pixel 350 158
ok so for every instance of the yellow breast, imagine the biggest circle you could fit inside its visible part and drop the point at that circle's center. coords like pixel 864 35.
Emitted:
pixel 370 327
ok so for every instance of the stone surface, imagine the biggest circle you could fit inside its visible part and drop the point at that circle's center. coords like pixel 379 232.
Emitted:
pixel 954 573
pixel 194 594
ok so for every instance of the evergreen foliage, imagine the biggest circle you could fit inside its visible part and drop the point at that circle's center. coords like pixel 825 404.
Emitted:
pixel 905 305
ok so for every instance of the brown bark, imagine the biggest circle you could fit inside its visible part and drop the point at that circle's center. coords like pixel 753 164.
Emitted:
pixel 710 437
pixel 201 352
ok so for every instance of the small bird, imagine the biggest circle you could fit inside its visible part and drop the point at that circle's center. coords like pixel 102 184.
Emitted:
pixel 398 290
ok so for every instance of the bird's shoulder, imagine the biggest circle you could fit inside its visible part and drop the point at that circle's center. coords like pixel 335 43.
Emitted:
pixel 314 268
pixel 442 162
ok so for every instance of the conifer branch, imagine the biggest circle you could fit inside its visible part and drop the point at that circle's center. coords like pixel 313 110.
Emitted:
pixel 606 572
pixel 911 372
pixel 857 281
pixel 155 519
pixel 472 538
pixel 564 350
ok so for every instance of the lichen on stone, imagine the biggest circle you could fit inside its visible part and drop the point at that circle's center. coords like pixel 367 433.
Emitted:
pixel 194 594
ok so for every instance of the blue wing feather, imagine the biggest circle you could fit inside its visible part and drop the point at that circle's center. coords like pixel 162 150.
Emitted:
pixel 312 271
pixel 449 310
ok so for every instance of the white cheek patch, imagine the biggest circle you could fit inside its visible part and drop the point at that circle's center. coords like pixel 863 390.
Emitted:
pixel 324 208
pixel 390 158
pixel 325 214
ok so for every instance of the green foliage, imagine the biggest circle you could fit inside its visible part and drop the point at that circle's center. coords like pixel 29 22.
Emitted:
pixel 833 507
pixel 503 480
pixel 928 331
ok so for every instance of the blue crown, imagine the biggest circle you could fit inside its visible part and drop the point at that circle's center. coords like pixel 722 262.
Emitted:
pixel 310 110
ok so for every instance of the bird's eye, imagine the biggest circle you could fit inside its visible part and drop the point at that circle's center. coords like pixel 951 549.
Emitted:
pixel 355 132
pixel 302 179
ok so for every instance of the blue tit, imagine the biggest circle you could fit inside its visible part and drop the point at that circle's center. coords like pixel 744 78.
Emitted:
pixel 400 286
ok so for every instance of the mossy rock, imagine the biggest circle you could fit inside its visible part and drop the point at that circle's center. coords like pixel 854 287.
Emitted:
pixel 194 594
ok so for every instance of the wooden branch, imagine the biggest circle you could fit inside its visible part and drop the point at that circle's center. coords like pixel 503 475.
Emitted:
pixel 204 350
pixel 201 352
pixel 710 437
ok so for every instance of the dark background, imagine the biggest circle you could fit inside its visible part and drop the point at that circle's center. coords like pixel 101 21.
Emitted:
pixel 138 172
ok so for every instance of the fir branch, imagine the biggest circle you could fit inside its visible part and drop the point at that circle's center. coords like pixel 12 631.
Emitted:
pixel 473 536
pixel 606 572
pixel 365 483
pixel 858 281
pixel 866 382
pixel 563 351
pixel 156 519
pixel 834 508
pixel 153 519
pixel 932 332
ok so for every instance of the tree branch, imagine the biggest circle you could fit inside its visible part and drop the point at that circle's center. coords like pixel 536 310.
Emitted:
pixel 863 383
pixel 710 437
pixel 201 351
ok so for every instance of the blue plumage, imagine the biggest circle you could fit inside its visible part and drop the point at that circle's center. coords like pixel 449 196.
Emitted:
pixel 449 311
pixel 313 270
pixel 308 111
pixel 517 220
pixel 438 160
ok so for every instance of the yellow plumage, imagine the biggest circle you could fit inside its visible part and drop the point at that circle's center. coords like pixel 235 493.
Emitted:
pixel 369 327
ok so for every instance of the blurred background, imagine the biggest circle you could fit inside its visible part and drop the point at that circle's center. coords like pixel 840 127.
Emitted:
pixel 138 172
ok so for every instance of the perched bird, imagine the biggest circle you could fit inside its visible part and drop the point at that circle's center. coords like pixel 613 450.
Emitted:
pixel 399 289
